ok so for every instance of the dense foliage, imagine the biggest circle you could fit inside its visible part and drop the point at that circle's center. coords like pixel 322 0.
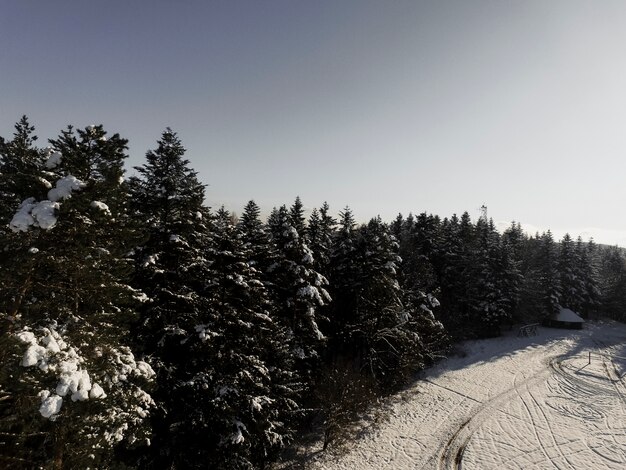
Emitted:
pixel 140 329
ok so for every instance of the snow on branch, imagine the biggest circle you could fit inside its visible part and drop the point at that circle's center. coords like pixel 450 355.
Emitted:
pixel 53 355
pixel 42 214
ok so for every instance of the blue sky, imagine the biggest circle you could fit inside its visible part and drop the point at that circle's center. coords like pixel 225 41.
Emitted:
pixel 387 107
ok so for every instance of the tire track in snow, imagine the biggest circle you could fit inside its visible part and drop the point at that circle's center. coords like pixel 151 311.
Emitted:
pixel 608 443
pixel 451 455
pixel 615 382
pixel 618 378
pixel 544 450
pixel 572 393
pixel 550 430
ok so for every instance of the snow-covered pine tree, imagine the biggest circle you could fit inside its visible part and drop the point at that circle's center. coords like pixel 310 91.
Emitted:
pixel 243 389
pixel 517 243
pixel 321 230
pixel 420 246
pixel 172 269
pixel 276 220
pixel 20 164
pixel 493 281
pixel 397 227
pixel 570 275
pixel 297 219
pixel 587 269
pixel 612 282
pixel 22 175
pixel 451 267
pixel 254 235
pixel 313 228
pixel 380 336
pixel 383 340
pixel 549 279
pixel 77 390
pixel 22 169
pixel 344 271
pixel 515 238
pixel 298 292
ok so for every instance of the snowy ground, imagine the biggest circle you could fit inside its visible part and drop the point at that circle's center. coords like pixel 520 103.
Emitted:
pixel 510 403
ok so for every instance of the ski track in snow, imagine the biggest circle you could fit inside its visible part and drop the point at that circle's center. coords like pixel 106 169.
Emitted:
pixel 511 403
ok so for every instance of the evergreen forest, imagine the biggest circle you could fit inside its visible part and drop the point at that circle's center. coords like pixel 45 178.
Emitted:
pixel 140 328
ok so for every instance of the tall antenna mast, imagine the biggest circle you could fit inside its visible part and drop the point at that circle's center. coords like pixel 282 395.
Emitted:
pixel 483 213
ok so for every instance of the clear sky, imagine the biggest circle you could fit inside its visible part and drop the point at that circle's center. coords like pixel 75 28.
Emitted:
pixel 385 106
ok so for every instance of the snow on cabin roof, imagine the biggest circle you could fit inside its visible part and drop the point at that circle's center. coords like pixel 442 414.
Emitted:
pixel 567 315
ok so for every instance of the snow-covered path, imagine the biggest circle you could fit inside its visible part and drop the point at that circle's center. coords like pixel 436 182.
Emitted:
pixel 510 403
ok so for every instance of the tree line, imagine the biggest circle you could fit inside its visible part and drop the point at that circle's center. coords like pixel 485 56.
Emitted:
pixel 141 329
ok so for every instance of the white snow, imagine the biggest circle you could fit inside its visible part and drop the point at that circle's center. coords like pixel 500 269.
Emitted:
pixel 53 159
pixel 567 315
pixel 27 337
pixel 73 380
pixel 64 187
pixel 45 182
pixel 226 389
pixel 238 438
pixel 128 366
pixel 52 354
pixel 510 403
pixel 100 206
pixel 42 214
pixel 307 258
pixel 22 219
pixel 141 297
pixel 433 300
pixel 96 392
pixel 33 355
pixel 204 332
pixel 311 292
pixel 148 260
pixel 257 403
pixel 50 404
pixel 290 232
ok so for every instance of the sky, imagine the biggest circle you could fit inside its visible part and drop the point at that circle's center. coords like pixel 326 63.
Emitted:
pixel 384 106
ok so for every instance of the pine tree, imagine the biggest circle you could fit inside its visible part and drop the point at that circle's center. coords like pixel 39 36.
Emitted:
pixel 612 282
pixel 397 227
pixel 243 389
pixel 549 279
pixel 254 235
pixel 451 266
pixel 380 334
pixel 171 267
pixel 71 313
pixel 277 220
pixel 571 276
pixel 296 217
pixel 517 243
pixel 22 170
pixel 419 247
pixel 586 253
pixel 344 272
pixel 493 281
pixel 387 347
pixel 320 237
pixel 298 292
